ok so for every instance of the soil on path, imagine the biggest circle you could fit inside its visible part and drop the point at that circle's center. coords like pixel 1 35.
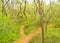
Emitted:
pixel 25 38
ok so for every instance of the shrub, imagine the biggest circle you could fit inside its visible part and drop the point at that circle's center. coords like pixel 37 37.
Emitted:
pixel 8 30
pixel 52 36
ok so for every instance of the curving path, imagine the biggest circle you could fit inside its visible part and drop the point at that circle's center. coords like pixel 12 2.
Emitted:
pixel 24 38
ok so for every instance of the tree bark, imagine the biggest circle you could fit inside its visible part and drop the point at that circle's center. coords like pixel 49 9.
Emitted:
pixel 41 12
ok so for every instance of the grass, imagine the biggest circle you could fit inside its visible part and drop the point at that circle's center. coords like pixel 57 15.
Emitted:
pixel 52 36
pixel 30 28
pixel 8 30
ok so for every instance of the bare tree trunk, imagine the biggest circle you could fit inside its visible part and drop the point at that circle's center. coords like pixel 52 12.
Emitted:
pixel 20 10
pixel 24 11
pixel 35 5
pixel 41 12
pixel 48 16
pixel 3 7
pixel 35 11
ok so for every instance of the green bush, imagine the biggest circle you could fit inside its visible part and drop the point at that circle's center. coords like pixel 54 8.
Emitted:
pixel 52 36
pixel 8 30
pixel 57 23
pixel 31 23
pixel 36 39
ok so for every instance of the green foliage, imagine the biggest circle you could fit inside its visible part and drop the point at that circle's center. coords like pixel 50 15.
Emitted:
pixel 29 29
pixel 8 30
pixel 31 23
pixel 9 25
pixel 57 23
pixel 52 36
pixel 36 39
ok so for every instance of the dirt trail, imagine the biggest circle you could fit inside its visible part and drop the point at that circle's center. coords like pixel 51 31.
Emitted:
pixel 28 37
pixel 24 38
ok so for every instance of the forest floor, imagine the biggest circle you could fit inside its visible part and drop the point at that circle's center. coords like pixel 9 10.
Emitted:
pixel 25 38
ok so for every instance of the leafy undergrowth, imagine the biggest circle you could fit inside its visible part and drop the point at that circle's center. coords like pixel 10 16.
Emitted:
pixel 8 30
pixel 30 28
pixel 52 36
pixel 36 39
pixel 31 23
